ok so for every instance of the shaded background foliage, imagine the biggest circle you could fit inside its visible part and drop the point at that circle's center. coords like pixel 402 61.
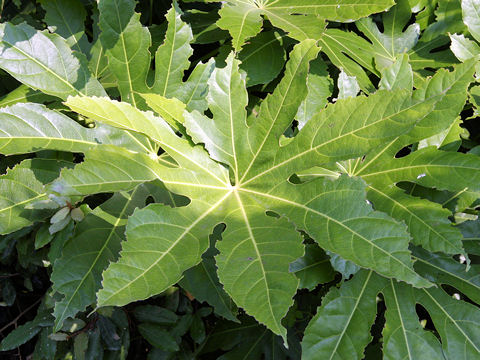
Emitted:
pixel 356 56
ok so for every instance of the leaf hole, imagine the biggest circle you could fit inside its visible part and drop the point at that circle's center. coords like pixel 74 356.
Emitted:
pixel 403 152
pixel 272 214
pixel 424 318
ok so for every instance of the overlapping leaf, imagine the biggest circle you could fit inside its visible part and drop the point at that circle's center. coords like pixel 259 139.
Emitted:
pixel 45 62
pixel 127 44
pixel 24 185
pixel 253 268
pixel 341 326
pixel 302 20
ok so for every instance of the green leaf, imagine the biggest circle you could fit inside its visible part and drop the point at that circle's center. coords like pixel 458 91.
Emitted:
pixel 399 75
pixel 171 58
pixel 347 86
pixel 254 269
pixel 203 283
pixel 320 88
pixel 155 315
pixel 463 48
pixel 471 17
pixel 243 18
pixel 45 62
pixel 96 243
pixel 25 94
pixel 23 185
pixel 25 332
pixel 30 127
pixel 248 337
pixel 121 114
pixel 457 322
pixel 448 91
pixel 430 167
pixel 313 268
pixel 316 207
pixel 67 18
pixel 393 41
pixel 444 269
pixel 101 172
pixel 262 58
pixel 341 327
pixel 471 237
pixel 403 335
pixel 249 262
pixel 45 347
pixel 427 221
pixel 350 52
pixel 176 246
pixel 158 337
pixel 126 44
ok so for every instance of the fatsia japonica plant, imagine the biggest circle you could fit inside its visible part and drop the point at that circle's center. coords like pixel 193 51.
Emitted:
pixel 317 222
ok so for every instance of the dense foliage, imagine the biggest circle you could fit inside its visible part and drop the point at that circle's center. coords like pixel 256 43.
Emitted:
pixel 244 179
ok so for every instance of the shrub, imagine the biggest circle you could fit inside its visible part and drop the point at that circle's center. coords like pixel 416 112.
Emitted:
pixel 254 179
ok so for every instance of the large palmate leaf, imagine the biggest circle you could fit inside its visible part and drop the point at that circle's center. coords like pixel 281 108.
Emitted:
pixel 256 249
pixel 309 169
pixel 302 20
